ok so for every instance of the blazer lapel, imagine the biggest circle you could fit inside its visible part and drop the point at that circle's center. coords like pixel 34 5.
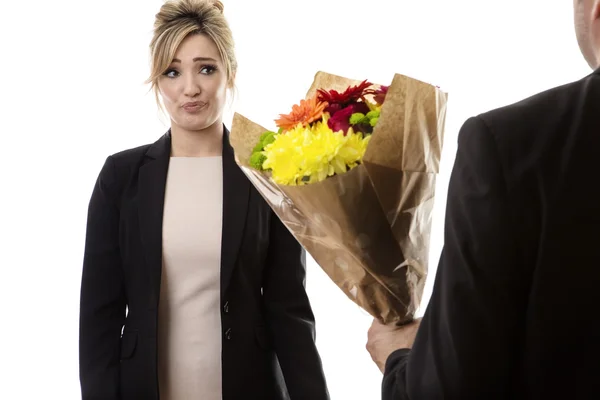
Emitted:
pixel 236 192
pixel 152 183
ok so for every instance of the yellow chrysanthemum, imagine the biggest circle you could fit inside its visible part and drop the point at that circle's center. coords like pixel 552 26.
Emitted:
pixel 282 157
pixel 313 153
pixel 354 149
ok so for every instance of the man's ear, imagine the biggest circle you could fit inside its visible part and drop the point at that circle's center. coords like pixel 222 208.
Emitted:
pixel 596 10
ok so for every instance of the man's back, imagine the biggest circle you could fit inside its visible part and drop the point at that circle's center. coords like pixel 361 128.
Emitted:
pixel 512 313
pixel 549 148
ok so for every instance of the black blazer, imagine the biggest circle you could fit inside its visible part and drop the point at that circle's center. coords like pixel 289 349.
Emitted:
pixel 268 351
pixel 514 310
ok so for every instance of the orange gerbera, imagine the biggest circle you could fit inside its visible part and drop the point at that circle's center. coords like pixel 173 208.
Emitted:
pixel 307 112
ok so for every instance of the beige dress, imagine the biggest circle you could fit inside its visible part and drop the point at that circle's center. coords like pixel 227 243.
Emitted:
pixel 189 336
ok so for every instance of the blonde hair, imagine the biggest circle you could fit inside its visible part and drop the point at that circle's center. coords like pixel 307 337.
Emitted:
pixel 176 20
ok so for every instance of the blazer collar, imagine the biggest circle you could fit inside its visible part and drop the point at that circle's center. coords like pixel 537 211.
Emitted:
pixel 161 149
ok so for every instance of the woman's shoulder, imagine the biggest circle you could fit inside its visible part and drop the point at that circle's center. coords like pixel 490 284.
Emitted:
pixel 134 156
pixel 129 156
pixel 118 166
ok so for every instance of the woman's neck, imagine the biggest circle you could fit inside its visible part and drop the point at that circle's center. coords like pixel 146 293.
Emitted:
pixel 205 143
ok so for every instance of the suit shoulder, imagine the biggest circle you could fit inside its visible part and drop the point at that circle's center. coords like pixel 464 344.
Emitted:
pixel 532 133
pixel 129 156
pixel 118 167
pixel 535 113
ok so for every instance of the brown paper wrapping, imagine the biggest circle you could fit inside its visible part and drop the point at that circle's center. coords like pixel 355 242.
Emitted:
pixel 369 228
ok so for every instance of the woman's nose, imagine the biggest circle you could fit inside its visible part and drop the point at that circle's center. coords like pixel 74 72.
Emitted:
pixel 192 87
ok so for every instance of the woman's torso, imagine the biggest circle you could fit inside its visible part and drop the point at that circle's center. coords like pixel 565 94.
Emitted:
pixel 248 361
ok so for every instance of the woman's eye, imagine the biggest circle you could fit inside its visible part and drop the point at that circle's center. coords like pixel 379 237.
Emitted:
pixel 171 73
pixel 208 69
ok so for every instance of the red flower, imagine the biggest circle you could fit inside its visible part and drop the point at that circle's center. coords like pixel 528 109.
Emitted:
pixel 379 94
pixel 340 121
pixel 338 101
pixel 333 108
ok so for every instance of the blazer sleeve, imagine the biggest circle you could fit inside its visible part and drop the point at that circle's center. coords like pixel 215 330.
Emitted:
pixel 290 317
pixel 467 344
pixel 102 297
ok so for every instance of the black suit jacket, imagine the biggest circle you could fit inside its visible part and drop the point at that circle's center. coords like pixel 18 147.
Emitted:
pixel 514 310
pixel 268 351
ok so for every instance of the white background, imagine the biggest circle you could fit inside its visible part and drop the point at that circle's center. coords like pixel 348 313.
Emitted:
pixel 72 92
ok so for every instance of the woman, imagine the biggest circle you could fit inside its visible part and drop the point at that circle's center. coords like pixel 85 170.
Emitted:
pixel 213 283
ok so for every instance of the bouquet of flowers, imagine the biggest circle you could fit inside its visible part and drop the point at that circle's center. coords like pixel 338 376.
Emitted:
pixel 324 135
pixel 351 173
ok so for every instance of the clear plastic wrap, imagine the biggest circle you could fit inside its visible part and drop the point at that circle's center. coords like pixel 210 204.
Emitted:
pixel 368 228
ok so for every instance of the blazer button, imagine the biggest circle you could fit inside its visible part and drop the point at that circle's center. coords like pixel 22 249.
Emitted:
pixel 228 334
pixel 226 307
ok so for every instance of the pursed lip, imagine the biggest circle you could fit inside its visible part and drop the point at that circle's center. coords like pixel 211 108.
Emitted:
pixel 193 104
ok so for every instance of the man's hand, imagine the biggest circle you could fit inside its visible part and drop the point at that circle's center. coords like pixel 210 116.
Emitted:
pixel 385 339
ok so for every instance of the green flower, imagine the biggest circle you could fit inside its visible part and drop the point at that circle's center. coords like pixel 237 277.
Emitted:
pixel 257 160
pixel 265 139
pixel 358 118
pixel 268 138
pixel 373 117
pixel 373 114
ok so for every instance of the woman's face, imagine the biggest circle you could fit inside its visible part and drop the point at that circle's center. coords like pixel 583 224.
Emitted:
pixel 194 87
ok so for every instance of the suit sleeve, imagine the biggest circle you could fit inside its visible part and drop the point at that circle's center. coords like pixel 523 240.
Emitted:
pixel 290 317
pixel 102 297
pixel 467 344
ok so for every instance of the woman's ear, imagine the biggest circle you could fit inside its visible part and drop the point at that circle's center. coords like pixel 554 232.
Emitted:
pixel 231 82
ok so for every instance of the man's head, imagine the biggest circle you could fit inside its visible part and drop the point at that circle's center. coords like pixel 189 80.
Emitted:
pixel 587 28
